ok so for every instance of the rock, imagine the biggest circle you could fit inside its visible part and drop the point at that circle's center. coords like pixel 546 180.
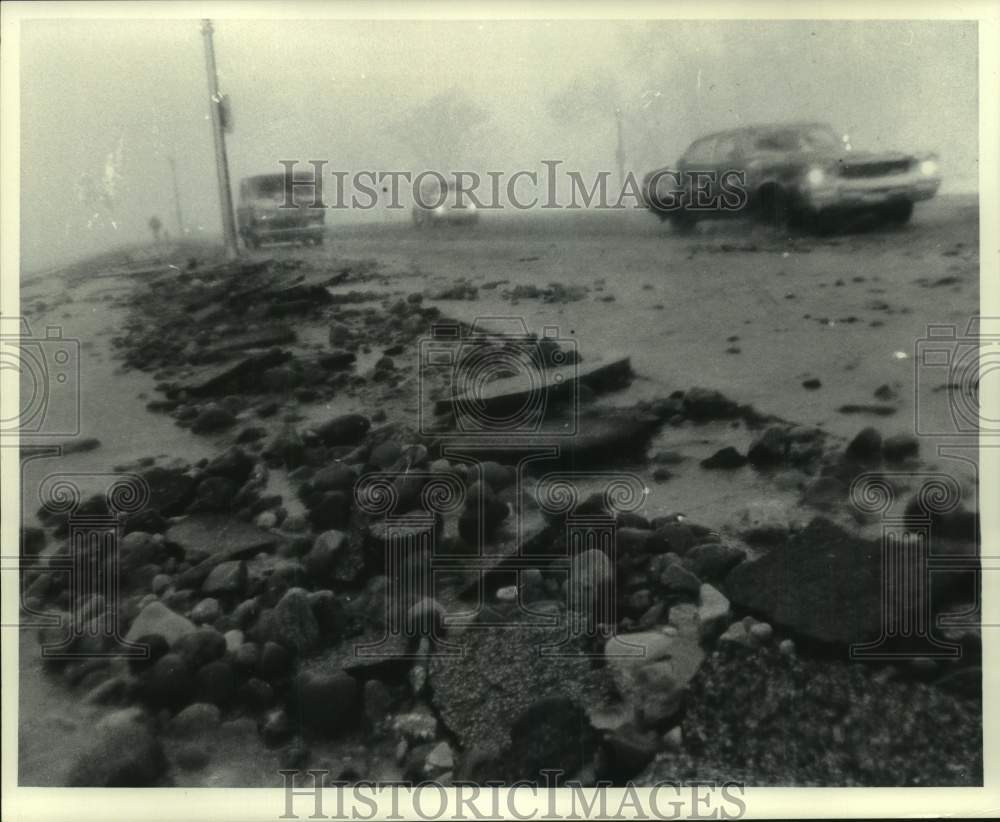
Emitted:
pixel 345 430
pixel 160 583
pixel 196 718
pixel 228 578
pixel 713 560
pixel 291 623
pixel 32 541
pixel 170 489
pixel 551 733
pixel 501 673
pixel 255 694
pixel 770 449
pixel 156 618
pixel 763 521
pixel 385 454
pixel 726 458
pixel 713 612
pixel 823 583
pixel 234 640
pixel 220 537
pixel 191 756
pixel 786 647
pixel 211 419
pixel 627 751
pixel 675 578
pixel 441 758
pixel 214 495
pixel 325 705
pixel 331 510
pixel 274 661
pixel 217 683
pixel 416 727
pixel 865 448
pixel 495 475
pixel 591 576
pixel 705 404
pixel 761 632
pixel 135 550
pixel 275 729
pixel 123 756
pixel 900 448
pixel 200 647
pixel 651 670
pixel 333 556
pixel 377 701
pixel 825 493
pixel 334 477
pixel 812 384
pixel 245 613
pixel 170 682
pixel 156 645
pixel 287 448
pixel 206 612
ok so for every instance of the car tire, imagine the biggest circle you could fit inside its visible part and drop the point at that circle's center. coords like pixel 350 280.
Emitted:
pixel 900 213
pixel 774 208
pixel 683 222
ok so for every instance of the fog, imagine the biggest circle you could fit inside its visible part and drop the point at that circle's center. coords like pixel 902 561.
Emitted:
pixel 105 103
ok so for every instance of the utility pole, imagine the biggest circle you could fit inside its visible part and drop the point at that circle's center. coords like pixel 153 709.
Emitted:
pixel 177 196
pixel 221 164
pixel 620 150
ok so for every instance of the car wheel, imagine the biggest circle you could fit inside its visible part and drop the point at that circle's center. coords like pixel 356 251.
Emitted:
pixel 773 207
pixel 900 213
pixel 683 222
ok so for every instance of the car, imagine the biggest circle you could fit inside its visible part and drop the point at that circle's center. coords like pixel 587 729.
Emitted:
pixel 789 175
pixel 262 215
pixel 438 204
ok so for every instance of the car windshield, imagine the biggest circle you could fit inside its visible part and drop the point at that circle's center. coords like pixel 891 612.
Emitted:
pixel 273 186
pixel 811 138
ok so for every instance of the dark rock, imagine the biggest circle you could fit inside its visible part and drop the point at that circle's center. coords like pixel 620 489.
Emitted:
pixel 812 384
pixel 212 418
pixel 676 578
pixel 337 360
pixel 170 682
pixel 214 495
pixel 200 647
pixel 217 683
pixel 824 584
pixel 156 647
pixel 234 464
pixel 345 430
pixel 331 557
pixel 865 448
pixel 219 537
pixel 122 756
pixel 705 404
pixel 291 623
pixel 713 561
pixel 900 448
pixel 727 457
pixel 32 541
pixel 191 756
pixel 148 520
pixel 274 661
pixel 206 612
pixel 769 450
pixel 287 448
pixel 334 477
pixel 551 733
pixel 170 489
pixel 256 694
pixel 324 705
pixel 197 718
pixel 229 578
pixel 332 510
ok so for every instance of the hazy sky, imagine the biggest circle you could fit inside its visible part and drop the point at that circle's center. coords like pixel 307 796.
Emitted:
pixel 104 103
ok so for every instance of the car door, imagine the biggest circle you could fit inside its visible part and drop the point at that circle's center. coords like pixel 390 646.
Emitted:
pixel 728 161
pixel 695 166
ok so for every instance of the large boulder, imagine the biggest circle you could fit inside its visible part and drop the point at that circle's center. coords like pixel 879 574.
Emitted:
pixel 157 618
pixel 126 755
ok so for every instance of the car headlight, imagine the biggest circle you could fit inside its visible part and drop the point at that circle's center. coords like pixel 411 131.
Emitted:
pixel 439 210
pixel 928 168
pixel 815 176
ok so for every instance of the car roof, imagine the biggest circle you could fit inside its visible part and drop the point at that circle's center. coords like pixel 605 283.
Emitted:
pixel 763 128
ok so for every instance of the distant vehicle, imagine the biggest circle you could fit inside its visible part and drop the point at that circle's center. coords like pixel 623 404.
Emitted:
pixel 261 215
pixel 800 174
pixel 438 206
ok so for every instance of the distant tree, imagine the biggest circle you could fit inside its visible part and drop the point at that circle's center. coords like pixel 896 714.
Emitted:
pixel 445 130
